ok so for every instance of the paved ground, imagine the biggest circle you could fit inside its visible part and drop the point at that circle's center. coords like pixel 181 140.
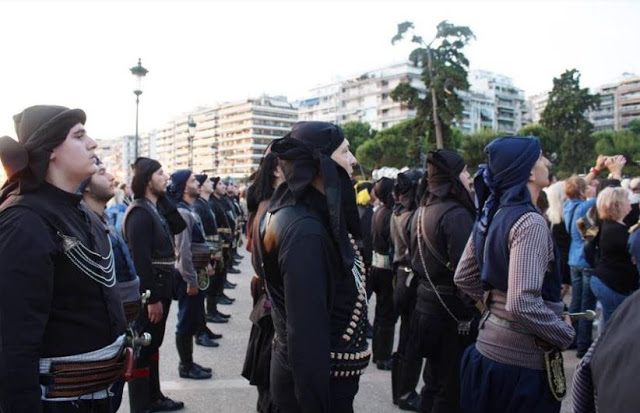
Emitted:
pixel 229 392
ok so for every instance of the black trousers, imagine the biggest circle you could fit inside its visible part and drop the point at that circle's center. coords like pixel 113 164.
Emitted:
pixel 438 340
pixel 144 325
pixel 216 287
pixel 385 318
pixel 79 406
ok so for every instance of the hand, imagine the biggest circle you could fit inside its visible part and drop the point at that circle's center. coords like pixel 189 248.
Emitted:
pixel 192 290
pixel 601 163
pixel 154 312
pixel 615 165
pixel 567 320
pixel 209 270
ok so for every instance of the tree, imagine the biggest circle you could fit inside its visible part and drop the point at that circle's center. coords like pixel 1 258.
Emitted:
pixel 473 148
pixel 564 117
pixel 624 142
pixel 549 142
pixel 444 71
pixel 357 133
pixel 397 146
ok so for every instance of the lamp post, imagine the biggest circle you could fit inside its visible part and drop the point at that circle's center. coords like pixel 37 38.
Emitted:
pixel 139 72
pixel 191 125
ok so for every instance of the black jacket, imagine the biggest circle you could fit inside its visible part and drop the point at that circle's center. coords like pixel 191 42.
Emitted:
pixel 313 303
pixel 150 240
pixel 48 306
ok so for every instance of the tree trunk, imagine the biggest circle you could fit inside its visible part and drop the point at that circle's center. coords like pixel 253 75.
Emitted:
pixel 434 102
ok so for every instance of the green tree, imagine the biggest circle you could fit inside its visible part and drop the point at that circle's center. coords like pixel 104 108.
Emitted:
pixel 550 143
pixel 625 142
pixel 444 71
pixel 564 117
pixel 397 146
pixel 473 148
pixel 357 133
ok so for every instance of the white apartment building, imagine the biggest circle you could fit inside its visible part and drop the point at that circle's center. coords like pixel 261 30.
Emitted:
pixel 118 155
pixel 229 139
pixel 478 112
pixel 537 103
pixel 511 111
pixel 364 98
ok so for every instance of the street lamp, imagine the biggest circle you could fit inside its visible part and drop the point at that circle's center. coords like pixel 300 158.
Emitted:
pixel 191 124
pixel 139 72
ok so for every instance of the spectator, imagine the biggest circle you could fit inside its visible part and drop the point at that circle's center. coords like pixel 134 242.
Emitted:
pixel 556 199
pixel 615 275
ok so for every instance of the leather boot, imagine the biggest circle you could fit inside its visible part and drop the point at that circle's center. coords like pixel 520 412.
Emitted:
pixel 139 399
pixel 160 402
pixel 186 369
pixel 409 376
pixel 395 376
pixel 382 345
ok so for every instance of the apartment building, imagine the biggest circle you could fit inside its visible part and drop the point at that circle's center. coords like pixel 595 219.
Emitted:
pixel 365 98
pixel 226 140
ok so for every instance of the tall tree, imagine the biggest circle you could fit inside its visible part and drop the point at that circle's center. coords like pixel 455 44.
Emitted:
pixel 357 133
pixel 550 143
pixel 397 146
pixel 473 147
pixel 565 118
pixel 444 71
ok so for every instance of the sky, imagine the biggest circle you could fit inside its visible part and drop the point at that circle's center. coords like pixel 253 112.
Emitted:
pixel 79 53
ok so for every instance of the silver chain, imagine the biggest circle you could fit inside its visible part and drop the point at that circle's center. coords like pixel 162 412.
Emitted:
pixel 74 250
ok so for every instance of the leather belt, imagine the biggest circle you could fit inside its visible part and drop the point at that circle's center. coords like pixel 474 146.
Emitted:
pixel 224 230
pixel 75 379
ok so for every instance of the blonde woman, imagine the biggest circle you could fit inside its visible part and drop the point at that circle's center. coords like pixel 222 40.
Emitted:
pixel 615 275
pixel 556 199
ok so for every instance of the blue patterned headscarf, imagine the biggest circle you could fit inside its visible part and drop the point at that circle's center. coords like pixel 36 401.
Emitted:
pixel 502 181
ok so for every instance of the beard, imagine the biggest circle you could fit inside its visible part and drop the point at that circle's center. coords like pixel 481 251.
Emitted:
pixel 102 195
pixel 158 192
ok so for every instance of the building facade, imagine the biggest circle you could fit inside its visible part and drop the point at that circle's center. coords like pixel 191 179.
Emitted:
pixel 365 98
pixel 118 155
pixel 228 139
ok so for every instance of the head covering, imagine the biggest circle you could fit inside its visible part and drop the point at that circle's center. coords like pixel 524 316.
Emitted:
pixel 178 183
pixel 384 191
pixel 262 187
pixel 405 189
pixel 40 129
pixel 201 178
pixel 215 180
pixel 502 181
pixel 444 167
pixel 143 169
pixel 307 150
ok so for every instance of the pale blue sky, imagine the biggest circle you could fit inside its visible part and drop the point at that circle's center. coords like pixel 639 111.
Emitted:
pixel 78 53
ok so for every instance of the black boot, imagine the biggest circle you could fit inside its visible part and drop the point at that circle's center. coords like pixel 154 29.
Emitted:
pixel 409 376
pixel 211 334
pixel 139 399
pixel 160 402
pixel 382 346
pixel 186 369
pixel 204 340
pixel 395 377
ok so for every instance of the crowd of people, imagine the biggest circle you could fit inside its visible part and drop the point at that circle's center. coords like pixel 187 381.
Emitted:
pixel 477 271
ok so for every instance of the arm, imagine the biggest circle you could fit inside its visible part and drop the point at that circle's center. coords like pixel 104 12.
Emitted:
pixel 139 232
pixel 582 392
pixel 26 292
pixel 530 254
pixel 456 226
pixel 600 165
pixel 467 276
pixel 183 249
pixel 304 265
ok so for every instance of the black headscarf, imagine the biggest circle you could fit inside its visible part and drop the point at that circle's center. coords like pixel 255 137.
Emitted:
pixel 178 183
pixel 201 178
pixel 40 129
pixel 406 188
pixel 143 169
pixel 384 191
pixel 307 150
pixel 262 187
pixel 444 168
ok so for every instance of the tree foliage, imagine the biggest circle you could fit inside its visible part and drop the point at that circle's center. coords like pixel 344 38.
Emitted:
pixel 444 71
pixel 565 118
pixel 625 142
pixel 473 148
pixel 397 146
pixel 357 133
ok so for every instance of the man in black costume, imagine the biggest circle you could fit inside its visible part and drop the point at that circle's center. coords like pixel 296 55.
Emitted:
pixel 381 278
pixel 438 236
pixel 59 309
pixel 149 225
pixel 205 337
pixel 313 277
pixel 407 362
